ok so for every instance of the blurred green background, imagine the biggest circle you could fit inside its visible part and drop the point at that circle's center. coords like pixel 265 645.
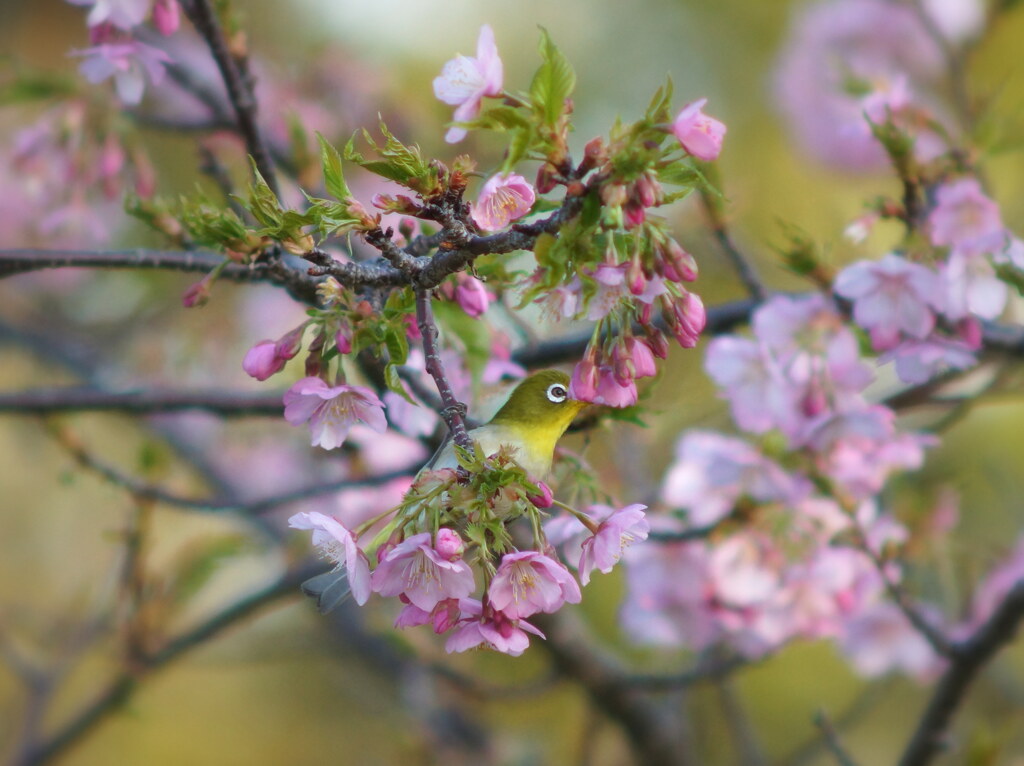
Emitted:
pixel 282 688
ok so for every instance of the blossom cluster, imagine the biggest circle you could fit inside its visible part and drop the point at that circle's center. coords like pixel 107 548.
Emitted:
pixel 848 64
pixel 431 551
pixel 117 53
pixel 796 545
pixel 925 314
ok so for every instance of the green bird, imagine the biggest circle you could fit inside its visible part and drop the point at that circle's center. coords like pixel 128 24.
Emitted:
pixel 531 422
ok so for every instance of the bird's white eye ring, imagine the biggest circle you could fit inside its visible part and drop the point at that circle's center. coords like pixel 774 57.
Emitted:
pixel 556 393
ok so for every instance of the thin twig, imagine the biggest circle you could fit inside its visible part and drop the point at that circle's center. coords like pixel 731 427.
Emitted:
pixel 741 264
pixel 454 411
pixel 831 738
pixel 147 491
pixel 968 660
pixel 226 404
pixel 119 689
pixel 238 80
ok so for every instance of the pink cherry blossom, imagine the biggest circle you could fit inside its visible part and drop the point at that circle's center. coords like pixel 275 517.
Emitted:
pixel 835 43
pixel 421 573
pixel 666 602
pixel 966 220
pixel 699 134
pixel 491 629
pixel 123 14
pixel 604 549
pixel 890 297
pixel 920 360
pixel 528 582
pixel 971 287
pixel 760 396
pixel 337 544
pixel 332 410
pixel 128 63
pixel 712 472
pixel 503 199
pixel 881 640
pixel 465 81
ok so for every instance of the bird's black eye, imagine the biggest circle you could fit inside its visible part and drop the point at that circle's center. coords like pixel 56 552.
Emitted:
pixel 557 393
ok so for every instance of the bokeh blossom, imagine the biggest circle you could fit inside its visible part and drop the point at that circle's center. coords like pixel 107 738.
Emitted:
pixel 332 410
pixel 465 81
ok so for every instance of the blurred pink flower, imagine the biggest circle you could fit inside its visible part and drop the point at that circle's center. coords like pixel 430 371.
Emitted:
pixel 605 547
pixel 699 134
pixel 491 629
pixel 128 63
pixel 966 220
pixel 123 14
pixel 712 472
pixel 759 395
pixel 528 582
pixel 971 287
pixel 503 199
pixel 920 360
pixel 465 81
pixel 166 16
pixel 844 57
pixel 424 575
pixel 332 410
pixel 891 297
pixel 881 640
pixel 337 544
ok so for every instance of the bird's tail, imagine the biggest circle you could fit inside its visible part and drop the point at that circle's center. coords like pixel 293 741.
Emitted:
pixel 329 589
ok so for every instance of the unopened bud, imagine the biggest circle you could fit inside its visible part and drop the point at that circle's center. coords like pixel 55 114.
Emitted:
pixel 545 179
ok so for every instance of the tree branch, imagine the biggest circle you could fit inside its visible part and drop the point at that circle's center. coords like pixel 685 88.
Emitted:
pixel 454 411
pixel 234 69
pixel 120 689
pixel 968 659
pixel 228 404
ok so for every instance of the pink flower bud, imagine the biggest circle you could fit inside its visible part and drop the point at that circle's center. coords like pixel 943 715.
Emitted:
pixel 471 295
pixel 642 357
pixel 546 497
pixel 288 345
pixel 689 319
pixel 658 345
pixel 635 277
pixel 680 266
pixel 343 340
pixel 635 215
pixel 261 361
pixel 545 179
pixel 449 544
pixel 166 16
pixel 969 330
pixel 197 294
pixel 583 385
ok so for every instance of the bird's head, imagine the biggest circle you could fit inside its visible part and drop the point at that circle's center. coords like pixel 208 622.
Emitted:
pixel 541 401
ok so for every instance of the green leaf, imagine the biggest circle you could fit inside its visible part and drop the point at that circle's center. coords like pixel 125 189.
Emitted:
pixel 196 565
pixel 553 83
pixel 661 104
pixel 334 179
pixel 397 344
pixel 398 162
pixel 1011 275
pixel 394 383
